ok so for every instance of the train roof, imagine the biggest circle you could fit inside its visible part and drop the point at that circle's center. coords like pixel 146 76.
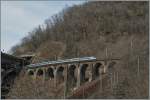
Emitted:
pixel 10 56
pixel 73 60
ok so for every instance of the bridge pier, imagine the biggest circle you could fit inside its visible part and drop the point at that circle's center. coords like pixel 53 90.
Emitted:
pixel 35 74
pixel 44 75
pixel 74 73
pixel 66 82
pixel 91 74
pixel 55 77
pixel 78 76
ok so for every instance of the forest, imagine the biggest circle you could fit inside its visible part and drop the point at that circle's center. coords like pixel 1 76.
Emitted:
pixel 87 30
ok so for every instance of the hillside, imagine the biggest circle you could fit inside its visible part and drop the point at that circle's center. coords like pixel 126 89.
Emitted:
pixel 88 29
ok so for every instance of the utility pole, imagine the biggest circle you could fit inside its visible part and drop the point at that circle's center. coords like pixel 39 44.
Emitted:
pixel 131 49
pixel 111 81
pixel 106 53
pixel 131 45
pixel 114 79
pixel 106 58
pixel 138 62
pixel 101 82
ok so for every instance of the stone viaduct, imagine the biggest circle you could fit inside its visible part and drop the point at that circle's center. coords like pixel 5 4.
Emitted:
pixel 75 71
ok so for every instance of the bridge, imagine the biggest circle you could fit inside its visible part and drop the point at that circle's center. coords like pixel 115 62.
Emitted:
pixel 74 72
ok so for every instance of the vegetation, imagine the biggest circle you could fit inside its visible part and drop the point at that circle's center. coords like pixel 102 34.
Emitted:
pixel 88 29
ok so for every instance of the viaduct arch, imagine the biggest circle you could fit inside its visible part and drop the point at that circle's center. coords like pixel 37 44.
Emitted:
pixel 77 71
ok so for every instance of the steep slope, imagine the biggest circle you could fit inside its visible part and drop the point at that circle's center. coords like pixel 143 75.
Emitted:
pixel 90 26
pixel 87 30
